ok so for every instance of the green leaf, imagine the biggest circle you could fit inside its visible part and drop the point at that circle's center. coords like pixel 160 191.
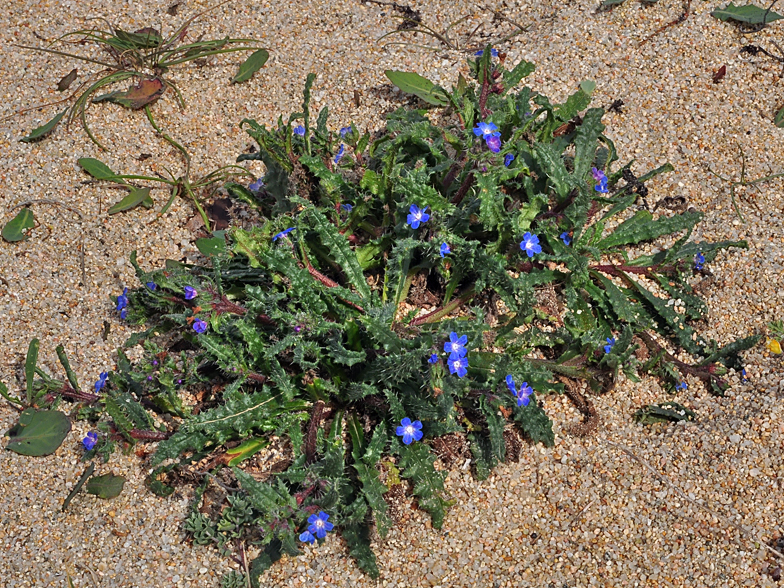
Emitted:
pixel 417 465
pixel 134 198
pixel 87 473
pixel 749 13
pixel 588 86
pixel 552 164
pixel 642 227
pixel 341 250
pixel 106 486
pixel 413 83
pixel 574 104
pixel 98 169
pixel 660 413
pixel 585 141
pixel 245 450
pixel 268 556
pixel 250 66
pixel 358 541
pixel 60 350
pixel 512 78
pixel 146 38
pixel 42 131
pixel 15 229
pixel 675 322
pixel 535 423
pixel 8 397
pixel 779 119
pixel 42 434
pixel 212 246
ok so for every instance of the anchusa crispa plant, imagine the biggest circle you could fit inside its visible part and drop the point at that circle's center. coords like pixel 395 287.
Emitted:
pixel 397 290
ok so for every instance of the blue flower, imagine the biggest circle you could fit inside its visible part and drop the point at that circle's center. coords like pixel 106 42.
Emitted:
pixel 258 184
pixel 152 285
pixel 455 347
pixel 681 386
pixel 346 207
pixel 523 395
pixel 409 431
pixel 122 303
pixel 530 244
pixel 300 130
pixel 566 238
pixel 743 377
pixel 601 180
pixel 432 359
pixel 199 326
pixel 344 131
pixel 283 233
pixel 307 537
pixel 339 154
pixel 493 143
pixel 319 525
pixel 493 52
pixel 90 441
pixel 445 249
pixel 508 159
pixel 485 130
pixel 458 365
pixel 610 344
pixel 699 261
pixel 101 381
pixel 190 293
pixel 416 216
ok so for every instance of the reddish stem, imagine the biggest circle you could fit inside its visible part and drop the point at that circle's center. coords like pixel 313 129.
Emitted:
pixel 69 392
pixel 149 435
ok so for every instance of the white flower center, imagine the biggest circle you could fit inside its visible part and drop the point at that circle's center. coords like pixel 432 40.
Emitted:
pixel 409 430
pixel 319 523
pixel 456 364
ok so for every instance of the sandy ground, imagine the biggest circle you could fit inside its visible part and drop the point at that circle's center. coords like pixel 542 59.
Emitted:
pixel 695 506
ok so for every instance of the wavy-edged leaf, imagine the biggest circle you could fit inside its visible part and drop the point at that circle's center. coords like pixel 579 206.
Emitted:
pixel 675 323
pixel 585 141
pixel 552 164
pixel 535 423
pixel 520 71
pixel 358 540
pixel 240 414
pixel 416 464
pixel 41 132
pixel 250 66
pixel 14 230
pixel 136 197
pixel 642 227
pixel 574 104
pixel 413 83
pixel 660 413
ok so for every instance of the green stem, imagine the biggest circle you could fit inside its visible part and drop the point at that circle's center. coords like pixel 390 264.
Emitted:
pixel 171 141
pixel 187 187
